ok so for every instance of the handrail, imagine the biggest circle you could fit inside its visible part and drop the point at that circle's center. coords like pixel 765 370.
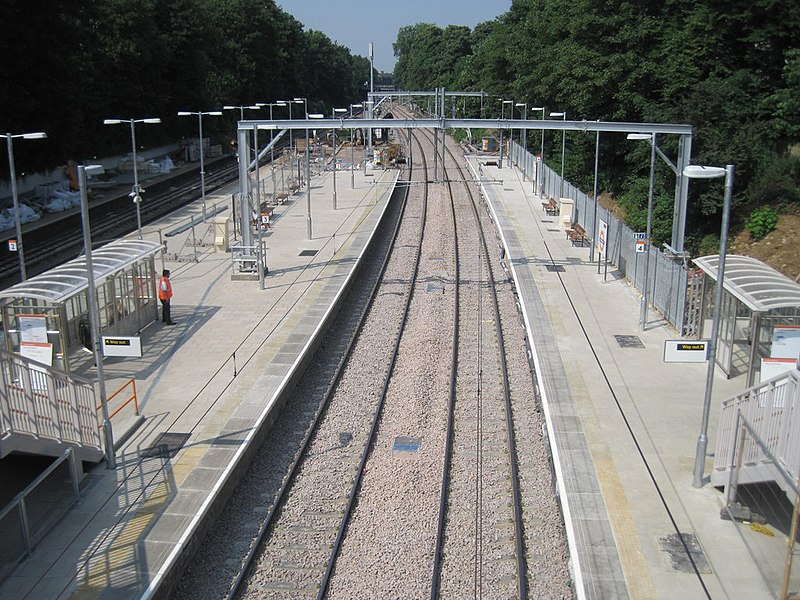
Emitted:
pixel 773 410
pixel 132 383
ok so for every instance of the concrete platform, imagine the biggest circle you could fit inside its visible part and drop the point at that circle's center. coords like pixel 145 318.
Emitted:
pixel 208 383
pixel 623 424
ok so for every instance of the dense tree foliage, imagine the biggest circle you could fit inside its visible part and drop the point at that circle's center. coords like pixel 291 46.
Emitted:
pixel 68 65
pixel 729 68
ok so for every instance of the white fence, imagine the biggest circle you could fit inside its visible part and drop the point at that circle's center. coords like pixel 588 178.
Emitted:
pixel 772 409
pixel 45 405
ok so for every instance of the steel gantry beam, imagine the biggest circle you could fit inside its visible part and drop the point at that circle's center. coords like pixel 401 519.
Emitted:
pixel 559 125
pixel 441 124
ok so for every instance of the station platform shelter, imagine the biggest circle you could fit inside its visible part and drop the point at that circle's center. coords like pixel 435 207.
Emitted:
pixel 759 327
pixel 45 318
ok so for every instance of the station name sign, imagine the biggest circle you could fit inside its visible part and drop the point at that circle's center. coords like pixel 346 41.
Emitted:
pixel 694 351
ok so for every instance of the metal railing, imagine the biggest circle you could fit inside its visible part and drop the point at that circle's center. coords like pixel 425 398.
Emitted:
pixel 773 409
pixel 667 277
pixel 46 404
pixel 35 510
pixel 765 515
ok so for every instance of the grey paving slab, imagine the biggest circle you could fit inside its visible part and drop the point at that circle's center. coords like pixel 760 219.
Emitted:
pixel 614 506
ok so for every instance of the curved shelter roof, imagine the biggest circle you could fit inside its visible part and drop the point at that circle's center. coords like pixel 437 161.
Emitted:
pixel 760 287
pixel 64 281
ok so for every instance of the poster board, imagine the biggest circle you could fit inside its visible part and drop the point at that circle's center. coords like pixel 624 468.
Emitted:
pixel 785 342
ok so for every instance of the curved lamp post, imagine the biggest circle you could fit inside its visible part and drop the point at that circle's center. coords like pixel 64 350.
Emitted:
pixel 699 172
pixel 136 193
pixel 13 176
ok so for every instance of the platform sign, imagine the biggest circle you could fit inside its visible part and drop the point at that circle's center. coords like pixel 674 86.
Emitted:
pixel 12 245
pixel 602 237
pixel 121 345
pixel 640 247
pixel 687 351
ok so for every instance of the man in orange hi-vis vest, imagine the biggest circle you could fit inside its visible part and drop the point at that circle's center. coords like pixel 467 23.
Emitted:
pixel 165 294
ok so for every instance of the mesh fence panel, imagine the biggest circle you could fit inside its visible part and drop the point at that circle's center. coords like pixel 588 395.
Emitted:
pixel 12 539
pixel 666 276
pixel 45 501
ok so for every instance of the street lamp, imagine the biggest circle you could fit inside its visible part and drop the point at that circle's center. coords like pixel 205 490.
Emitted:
pixel 213 113
pixel 108 434
pixel 335 110
pixel 563 116
pixel 538 170
pixel 352 144
pixel 502 116
pixel 308 174
pixel 699 172
pixel 271 136
pixel 136 193
pixel 652 138
pixel 12 173
pixel 368 134
pixel 241 108
pixel 524 133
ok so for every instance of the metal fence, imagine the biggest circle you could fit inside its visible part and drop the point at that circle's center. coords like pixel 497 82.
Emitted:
pixel 667 276
pixel 35 510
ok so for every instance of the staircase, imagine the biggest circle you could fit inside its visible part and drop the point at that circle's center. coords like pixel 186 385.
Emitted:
pixel 45 411
pixel 773 410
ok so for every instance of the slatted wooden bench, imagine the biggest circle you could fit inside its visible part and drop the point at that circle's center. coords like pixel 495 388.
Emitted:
pixel 550 207
pixel 577 235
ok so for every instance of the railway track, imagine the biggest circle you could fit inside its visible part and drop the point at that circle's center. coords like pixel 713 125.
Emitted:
pixel 394 471
pixel 61 239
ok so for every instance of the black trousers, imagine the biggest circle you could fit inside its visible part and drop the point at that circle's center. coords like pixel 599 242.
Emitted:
pixel 165 316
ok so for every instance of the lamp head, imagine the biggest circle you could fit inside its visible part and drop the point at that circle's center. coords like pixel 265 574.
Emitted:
pixel 155 120
pixel 558 114
pixel 184 113
pixel 34 136
pixel 701 172
pixel 640 136
pixel 112 121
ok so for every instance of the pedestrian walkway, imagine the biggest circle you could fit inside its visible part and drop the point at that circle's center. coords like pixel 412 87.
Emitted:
pixel 205 387
pixel 623 423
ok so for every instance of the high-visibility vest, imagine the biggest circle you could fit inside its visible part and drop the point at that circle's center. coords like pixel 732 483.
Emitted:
pixel 164 289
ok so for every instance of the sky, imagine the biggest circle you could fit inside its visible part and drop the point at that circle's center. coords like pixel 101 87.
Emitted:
pixel 356 23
